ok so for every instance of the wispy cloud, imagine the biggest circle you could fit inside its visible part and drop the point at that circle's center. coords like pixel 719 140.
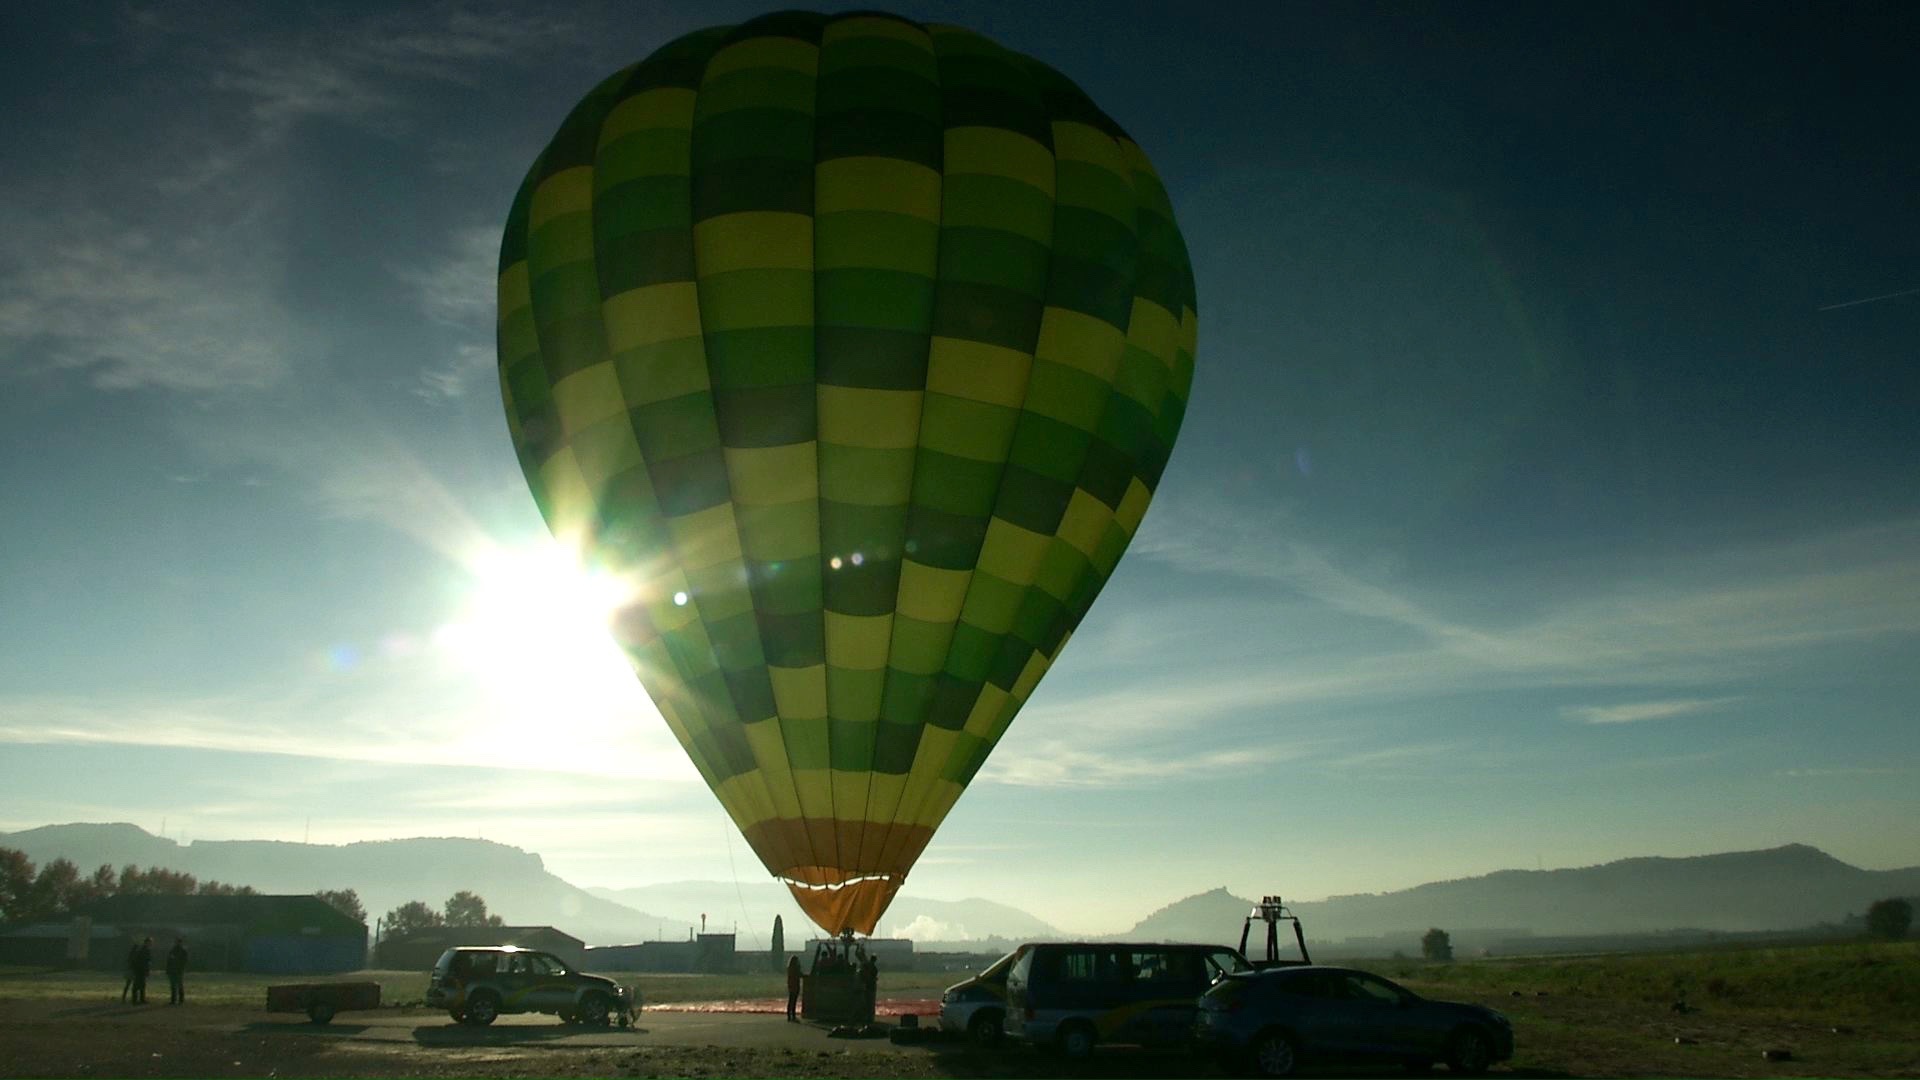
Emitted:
pixel 1698 619
pixel 1849 770
pixel 1634 712
pixel 431 708
pixel 166 275
pixel 133 308
pixel 362 69
pixel 456 291
pixel 1057 764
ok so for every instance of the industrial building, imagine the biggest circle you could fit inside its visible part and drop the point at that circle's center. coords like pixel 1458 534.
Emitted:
pixel 267 934
pixel 421 948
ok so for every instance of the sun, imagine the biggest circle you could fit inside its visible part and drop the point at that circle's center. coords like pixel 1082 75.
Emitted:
pixel 532 632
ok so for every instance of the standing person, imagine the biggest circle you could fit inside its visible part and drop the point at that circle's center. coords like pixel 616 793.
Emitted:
pixel 177 972
pixel 126 987
pixel 793 987
pixel 870 980
pixel 142 963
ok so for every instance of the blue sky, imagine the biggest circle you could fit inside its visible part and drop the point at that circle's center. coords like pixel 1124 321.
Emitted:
pixel 1537 503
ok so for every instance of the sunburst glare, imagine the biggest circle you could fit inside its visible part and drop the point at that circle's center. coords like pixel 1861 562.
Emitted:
pixel 534 633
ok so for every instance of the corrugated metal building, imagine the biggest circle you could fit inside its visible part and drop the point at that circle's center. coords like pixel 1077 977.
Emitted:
pixel 290 935
pixel 706 953
pixel 419 950
pixel 75 943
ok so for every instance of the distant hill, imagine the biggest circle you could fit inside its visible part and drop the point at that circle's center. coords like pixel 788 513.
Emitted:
pixel 1785 888
pixel 515 883
pixel 1780 888
pixel 1213 916
pixel 386 873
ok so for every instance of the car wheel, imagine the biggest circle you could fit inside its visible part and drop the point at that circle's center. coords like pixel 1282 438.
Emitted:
pixel 320 1012
pixel 593 1011
pixel 1275 1055
pixel 1469 1052
pixel 987 1028
pixel 1076 1041
pixel 482 1009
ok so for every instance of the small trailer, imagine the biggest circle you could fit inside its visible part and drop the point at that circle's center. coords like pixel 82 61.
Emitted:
pixel 321 1000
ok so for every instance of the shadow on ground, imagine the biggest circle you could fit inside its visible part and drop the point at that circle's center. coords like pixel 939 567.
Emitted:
pixel 462 1035
pixel 1131 1064
pixel 303 1027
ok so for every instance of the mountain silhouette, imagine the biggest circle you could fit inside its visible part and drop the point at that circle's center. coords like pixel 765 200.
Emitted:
pixel 1783 888
pixel 386 873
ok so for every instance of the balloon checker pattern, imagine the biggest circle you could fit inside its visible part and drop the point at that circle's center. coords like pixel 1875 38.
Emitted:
pixel 863 343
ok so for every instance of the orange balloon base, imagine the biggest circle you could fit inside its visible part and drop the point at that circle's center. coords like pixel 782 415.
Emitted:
pixel 854 906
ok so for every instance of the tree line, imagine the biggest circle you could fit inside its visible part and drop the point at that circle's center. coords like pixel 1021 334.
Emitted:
pixel 463 908
pixel 57 889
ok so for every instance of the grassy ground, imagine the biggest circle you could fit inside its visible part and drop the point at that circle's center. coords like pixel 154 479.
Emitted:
pixel 404 987
pixel 1839 1010
pixel 1858 979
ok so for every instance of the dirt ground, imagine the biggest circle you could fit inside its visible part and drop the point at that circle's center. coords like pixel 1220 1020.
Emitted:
pixel 1556 1036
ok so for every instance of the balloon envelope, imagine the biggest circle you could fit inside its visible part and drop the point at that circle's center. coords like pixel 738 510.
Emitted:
pixel 861 344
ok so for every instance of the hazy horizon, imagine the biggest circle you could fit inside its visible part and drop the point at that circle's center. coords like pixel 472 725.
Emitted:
pixel 1546 496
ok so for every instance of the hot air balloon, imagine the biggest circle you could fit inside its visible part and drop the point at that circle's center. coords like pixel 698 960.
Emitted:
pixel 863 343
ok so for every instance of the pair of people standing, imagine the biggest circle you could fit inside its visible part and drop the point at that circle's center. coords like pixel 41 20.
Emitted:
pixel 140 962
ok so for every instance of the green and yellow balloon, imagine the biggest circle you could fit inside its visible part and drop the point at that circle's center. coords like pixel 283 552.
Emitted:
pixel 864 343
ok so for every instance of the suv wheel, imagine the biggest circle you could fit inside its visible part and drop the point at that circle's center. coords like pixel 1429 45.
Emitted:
pixel 1469 1052
pixel 1076 1041
pixel 593 1011
pixel 482 1009
pixel 1275 1055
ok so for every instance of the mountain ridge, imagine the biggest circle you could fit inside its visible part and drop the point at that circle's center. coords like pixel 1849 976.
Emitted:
pixel 1771 889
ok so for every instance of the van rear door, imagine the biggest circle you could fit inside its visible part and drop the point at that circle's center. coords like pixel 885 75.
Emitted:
pixel 1019 1007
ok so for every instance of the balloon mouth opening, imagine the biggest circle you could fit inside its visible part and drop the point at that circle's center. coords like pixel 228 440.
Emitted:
pixel 830 886
pixel 853 902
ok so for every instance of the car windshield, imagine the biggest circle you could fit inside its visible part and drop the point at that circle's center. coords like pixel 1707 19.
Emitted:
pixel 1226 962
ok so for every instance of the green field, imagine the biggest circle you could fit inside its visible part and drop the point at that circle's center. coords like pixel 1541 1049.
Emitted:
pixel 1839 1009
pixel 1858 979
pixel 409 987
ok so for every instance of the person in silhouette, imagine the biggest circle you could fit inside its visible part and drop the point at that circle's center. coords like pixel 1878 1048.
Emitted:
pixel 126 986
pixel 142 961
pixel 793 987
pixel 870 981
pixel 177 972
